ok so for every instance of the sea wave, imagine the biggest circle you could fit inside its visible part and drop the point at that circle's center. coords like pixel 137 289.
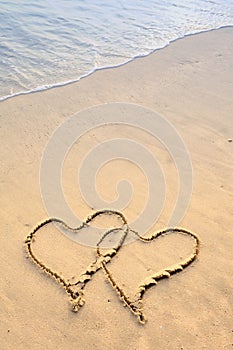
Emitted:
pixel 44 46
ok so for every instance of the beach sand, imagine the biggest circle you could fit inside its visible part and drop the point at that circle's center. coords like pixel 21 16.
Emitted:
pixel 190 83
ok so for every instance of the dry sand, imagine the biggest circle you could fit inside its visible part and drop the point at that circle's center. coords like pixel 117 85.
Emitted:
pixel 190 83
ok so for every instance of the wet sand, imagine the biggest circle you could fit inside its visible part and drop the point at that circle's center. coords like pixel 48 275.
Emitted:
pixel 190 84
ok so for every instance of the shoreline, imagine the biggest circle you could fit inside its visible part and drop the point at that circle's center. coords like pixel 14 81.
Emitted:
pixel 189 83
pixel 94 70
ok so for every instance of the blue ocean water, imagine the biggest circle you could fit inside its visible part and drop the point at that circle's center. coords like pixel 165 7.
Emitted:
pixel 45 43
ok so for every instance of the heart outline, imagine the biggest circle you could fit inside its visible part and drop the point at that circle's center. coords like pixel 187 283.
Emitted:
pixel 152 280
pixel 77 297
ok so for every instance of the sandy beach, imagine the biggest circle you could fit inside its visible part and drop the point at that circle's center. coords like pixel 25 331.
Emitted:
pixel 190 83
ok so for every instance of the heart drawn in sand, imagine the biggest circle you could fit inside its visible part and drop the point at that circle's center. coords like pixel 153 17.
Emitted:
pixel 75 290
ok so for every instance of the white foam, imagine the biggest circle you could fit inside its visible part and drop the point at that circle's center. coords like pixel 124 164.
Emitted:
pixel 46 47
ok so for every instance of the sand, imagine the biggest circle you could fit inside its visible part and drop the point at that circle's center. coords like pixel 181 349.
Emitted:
pixel 190 83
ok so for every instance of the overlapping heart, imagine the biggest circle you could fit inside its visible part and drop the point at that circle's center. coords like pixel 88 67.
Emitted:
pixel 76 290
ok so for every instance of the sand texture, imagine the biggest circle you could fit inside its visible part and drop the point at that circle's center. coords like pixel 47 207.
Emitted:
pixel 190 82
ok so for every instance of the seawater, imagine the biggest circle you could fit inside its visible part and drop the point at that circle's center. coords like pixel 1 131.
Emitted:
pixel 45 43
